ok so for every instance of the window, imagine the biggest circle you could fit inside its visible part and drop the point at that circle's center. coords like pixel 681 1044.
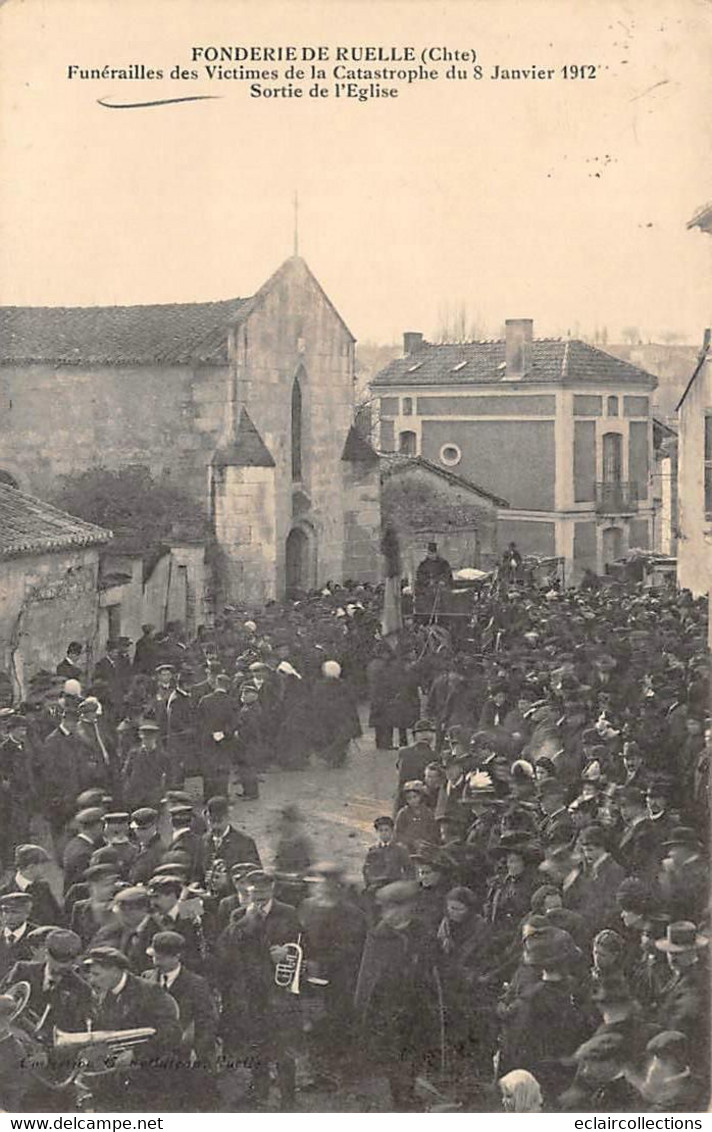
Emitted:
pixel 708 464
pixel 612 407
pixel 296 431
pixel 407 406
pixel 408 444
pixel 450 455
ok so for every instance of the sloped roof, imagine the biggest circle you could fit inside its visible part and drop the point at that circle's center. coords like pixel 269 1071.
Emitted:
pixel 164 332
pixel 393 463
pixel 247 450
pixel 554 361
pixel 31 526
pixel 357 450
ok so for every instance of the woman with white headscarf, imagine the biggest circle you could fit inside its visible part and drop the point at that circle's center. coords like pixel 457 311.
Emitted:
pixel 520 1092
pixel 335 715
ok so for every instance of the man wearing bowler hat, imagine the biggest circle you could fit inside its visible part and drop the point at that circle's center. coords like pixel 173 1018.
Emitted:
pixel 684 876
pixel 224 842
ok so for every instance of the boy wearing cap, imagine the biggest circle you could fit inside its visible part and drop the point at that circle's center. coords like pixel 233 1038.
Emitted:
pixel 411 761
pixel 386 861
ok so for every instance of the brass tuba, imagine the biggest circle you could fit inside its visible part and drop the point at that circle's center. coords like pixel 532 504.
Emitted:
pixel 288 973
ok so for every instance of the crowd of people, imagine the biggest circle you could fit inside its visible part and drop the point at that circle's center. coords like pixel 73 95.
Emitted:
pixel 530 931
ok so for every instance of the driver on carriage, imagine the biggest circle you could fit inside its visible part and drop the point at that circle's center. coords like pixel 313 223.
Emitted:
pixel 432 575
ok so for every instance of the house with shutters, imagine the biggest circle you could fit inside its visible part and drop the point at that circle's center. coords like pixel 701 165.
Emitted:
pixel 247 404
pixel 559 428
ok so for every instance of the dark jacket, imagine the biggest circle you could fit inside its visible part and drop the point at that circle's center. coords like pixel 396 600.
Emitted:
pixel 144 777
pixel 233 848
pixel 75 859
pixel 147 861
pixel 45 908
pixel 133 942
pixel 15 951
pixel 198 1013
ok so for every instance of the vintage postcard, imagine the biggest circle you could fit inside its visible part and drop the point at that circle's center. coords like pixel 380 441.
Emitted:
pixel 355 548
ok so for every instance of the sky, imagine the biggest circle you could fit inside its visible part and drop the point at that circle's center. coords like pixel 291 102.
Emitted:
pixel 565 201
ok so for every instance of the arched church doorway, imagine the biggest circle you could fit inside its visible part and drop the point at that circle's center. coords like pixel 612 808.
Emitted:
pixel 299 566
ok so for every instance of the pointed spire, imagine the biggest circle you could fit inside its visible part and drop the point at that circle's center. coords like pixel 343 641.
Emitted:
pixel 296 223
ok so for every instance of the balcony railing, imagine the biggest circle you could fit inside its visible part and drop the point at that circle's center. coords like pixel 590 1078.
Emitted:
pixel 616 498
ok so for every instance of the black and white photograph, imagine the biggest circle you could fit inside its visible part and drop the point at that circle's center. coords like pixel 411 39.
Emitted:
pixel 355 559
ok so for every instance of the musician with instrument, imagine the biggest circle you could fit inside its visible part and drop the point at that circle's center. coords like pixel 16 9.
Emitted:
pixel 58 998
pixel 261 1018
pixel 144 1076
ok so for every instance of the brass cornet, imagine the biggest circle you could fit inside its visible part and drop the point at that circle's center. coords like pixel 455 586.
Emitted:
pixel 288 973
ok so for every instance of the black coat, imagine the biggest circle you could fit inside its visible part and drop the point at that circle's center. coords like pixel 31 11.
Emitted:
pixel 148 859
pixel 198 1013
pixel 15 951
pixel 45 908
pixel 75 859
pixel 234 848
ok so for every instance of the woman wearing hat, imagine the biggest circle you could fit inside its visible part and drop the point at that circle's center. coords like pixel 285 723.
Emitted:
pixel 510 891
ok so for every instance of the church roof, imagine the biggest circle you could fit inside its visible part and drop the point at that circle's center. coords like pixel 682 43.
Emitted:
pixel 247 450
pixel 357 450
pixel 31 526
pixel 158 333
pixel 163 332
pixel 554 360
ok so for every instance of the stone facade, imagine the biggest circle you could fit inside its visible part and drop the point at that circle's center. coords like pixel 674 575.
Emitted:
pixel 561 429
pixel 193 391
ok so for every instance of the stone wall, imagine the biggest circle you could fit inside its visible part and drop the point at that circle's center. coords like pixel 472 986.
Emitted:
pixel 362 522
pixel 294 331
pixel 46 601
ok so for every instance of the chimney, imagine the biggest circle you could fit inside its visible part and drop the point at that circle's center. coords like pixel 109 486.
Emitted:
pixel 412 341
pixel 519 333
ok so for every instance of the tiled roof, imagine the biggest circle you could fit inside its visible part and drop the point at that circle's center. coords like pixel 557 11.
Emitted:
pixel 357 450
pixel 554 361
pixel 165 332
pixel 31 526
pixel 393 463
pixel 247 450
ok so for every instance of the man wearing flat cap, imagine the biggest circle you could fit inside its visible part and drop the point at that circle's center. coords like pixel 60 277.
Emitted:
pixel 131 928
pixel 58 995
pixel 261 1022
pixel 145 770
pixel 198 1016
pixel 123 1001
pixel 78 850
pixel 88 915
pixel 31 863
pixel 601 1083
pixel 144 824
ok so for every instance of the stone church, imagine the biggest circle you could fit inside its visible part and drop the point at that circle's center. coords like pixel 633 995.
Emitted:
pixel 247 404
